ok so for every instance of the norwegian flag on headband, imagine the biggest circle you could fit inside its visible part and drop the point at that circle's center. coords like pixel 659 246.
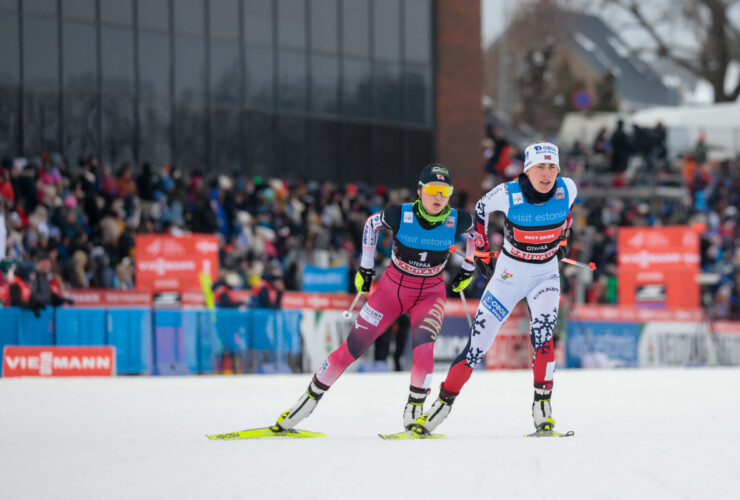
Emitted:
pixel 441 177
pixel 548 157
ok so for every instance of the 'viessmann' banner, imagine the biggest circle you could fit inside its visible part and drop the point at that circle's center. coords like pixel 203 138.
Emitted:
pixel 166 263
pixel 658 267
pixel 48 361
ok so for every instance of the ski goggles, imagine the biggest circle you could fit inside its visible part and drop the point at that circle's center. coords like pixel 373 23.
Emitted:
pixel 433 189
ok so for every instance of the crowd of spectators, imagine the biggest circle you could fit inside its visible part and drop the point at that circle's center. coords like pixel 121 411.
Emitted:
pixel 83 217
pixel 86 216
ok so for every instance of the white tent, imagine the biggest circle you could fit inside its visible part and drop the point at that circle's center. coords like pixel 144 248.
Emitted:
pixel 719 122
pixel 684 124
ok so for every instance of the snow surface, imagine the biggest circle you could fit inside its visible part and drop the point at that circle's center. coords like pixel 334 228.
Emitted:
pixel 639 434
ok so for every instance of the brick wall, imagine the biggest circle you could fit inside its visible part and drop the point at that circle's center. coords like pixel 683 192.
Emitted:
pixel 459 78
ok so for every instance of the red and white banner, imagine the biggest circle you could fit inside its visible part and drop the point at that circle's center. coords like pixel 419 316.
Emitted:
pixel 167 263
pixel 621 314
pixel 195 298
pixel 658 267
pixel 94 297
pixel 341 302
pixel 49 361
pixel 91 297
pixel 319 301
pixel 726 328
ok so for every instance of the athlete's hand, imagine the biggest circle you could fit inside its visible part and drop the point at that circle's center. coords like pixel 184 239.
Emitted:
pixel 485 268
pixel 363 279
pixel 462 279
pixel 563 250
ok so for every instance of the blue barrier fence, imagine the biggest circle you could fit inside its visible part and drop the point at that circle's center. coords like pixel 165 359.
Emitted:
pixel 167 342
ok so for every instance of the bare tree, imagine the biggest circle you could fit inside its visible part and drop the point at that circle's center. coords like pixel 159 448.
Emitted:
pixel 716 36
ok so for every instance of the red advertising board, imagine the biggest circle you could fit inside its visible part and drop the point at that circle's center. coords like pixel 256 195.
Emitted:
pixel 99 297
pixel 606 313
pixel 96 297
pixel 166 263
pixel 195 298
pixel 50 361
pixel 342 301
pixel 658 267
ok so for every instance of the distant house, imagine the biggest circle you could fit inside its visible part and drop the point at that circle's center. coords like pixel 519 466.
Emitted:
pixel 570 48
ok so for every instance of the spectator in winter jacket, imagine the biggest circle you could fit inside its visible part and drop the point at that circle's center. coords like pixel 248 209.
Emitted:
pixel 20 293
pixel 268 294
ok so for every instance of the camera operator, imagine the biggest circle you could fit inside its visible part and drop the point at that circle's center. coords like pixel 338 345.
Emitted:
pixel 20 293
pixel 46 288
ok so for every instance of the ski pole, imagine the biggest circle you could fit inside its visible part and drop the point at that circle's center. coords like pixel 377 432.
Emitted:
pixel 591 266
pixel 348 314
pixel 465 306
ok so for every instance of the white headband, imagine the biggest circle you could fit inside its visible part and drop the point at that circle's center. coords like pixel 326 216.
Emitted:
pixel 541 152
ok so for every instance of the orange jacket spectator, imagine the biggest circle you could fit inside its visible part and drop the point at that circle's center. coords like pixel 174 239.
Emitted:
pixel 689 168
pixel 126 184
pixel 504 159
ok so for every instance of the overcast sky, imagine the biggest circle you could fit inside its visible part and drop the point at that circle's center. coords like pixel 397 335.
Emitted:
pixel 496 13
pixel 492 18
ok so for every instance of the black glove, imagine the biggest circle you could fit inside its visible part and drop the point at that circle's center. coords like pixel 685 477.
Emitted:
pixel 563 251
pixel 363 279
pixel 462 279
pixel 485 268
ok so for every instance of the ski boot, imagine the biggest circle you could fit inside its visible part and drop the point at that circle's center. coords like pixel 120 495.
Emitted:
pixel 437 413
pixel 415 406
pixel 305 405
pixel 541 409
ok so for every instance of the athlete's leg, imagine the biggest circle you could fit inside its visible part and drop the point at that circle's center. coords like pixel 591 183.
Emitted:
pixel 501 295
pixel 380 311
pixel 494 308
pixel 543 300
pixel 426 316
pixel 426 307
pixel 404 325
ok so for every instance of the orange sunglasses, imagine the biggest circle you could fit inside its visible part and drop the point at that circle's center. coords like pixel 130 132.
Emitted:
pixel 433 189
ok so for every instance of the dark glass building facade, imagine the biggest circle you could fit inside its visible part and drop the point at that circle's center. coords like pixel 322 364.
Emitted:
pixel 340 90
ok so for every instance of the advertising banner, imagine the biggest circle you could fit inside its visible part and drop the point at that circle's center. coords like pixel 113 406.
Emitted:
pixel 600 336
pixel 676 344
pixel 726 339
pixel 316 301
pixel 91 297
pixel 166 263
pixel 49 361
pixel 452 339
pixel 325 279
pixel 602 345
pixel 658 267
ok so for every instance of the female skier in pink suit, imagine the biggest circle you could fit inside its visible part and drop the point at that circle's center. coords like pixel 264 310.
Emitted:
pixel 423 233
pixel 537 212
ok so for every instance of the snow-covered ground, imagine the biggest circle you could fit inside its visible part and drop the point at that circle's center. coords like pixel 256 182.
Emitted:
pixel 639 434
